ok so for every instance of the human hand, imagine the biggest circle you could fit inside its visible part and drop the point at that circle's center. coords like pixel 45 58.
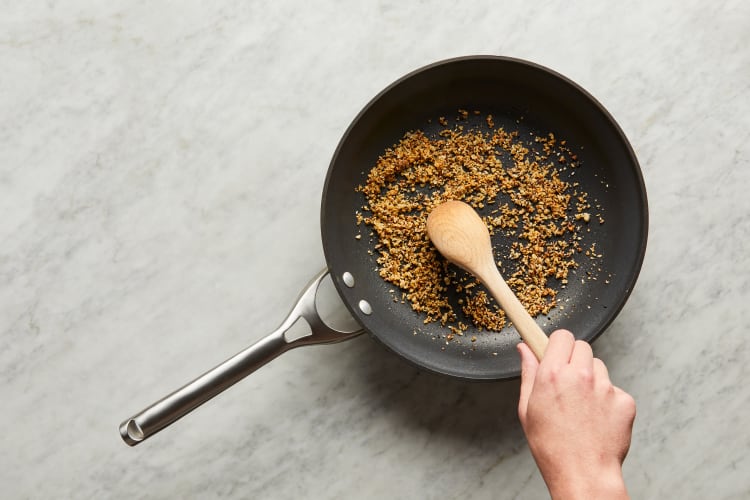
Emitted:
pixel 578 425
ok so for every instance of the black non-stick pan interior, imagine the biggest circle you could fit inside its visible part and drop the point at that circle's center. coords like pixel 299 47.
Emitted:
pixel 520 96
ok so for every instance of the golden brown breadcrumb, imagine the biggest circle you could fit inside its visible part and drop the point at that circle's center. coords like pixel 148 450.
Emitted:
pixel 516 187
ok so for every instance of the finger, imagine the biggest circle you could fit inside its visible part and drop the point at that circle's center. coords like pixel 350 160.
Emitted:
pixel 627 404
pixel 559 349
pixel 582 355
pixel 601 373
pixel 529 366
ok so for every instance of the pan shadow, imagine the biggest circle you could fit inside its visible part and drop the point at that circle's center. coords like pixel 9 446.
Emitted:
pixel 482 415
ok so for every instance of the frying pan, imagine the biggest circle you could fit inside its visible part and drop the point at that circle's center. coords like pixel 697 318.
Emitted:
pixel 521 96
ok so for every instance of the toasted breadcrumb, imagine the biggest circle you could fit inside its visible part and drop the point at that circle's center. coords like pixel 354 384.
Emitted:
pixel 517 188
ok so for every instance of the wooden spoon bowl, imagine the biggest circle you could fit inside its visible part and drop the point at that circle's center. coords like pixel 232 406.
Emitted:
pixel 461 236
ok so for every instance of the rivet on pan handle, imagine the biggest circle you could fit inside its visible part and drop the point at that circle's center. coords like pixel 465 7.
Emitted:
pixel 159 415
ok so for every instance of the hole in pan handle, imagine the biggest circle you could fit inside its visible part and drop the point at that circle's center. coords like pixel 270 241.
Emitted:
pixel 169 409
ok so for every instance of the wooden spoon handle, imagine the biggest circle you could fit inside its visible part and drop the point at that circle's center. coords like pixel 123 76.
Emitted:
pixel 530 332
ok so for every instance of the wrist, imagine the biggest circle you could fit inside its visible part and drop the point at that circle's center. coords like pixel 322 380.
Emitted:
pixel 605 484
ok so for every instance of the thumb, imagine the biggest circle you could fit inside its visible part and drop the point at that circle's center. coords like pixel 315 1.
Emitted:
pixel 529 366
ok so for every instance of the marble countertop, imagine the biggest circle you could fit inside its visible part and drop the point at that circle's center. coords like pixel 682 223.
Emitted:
pixel 161 167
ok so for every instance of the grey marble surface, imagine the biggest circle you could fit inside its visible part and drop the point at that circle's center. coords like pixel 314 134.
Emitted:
pixel 161 166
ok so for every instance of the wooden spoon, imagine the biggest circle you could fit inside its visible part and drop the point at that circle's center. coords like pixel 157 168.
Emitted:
pixel 461 236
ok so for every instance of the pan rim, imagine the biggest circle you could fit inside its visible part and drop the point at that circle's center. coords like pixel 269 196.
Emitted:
pixel 638 258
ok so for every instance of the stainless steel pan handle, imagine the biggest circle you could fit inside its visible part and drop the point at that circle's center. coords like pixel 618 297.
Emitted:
pixel 159 415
